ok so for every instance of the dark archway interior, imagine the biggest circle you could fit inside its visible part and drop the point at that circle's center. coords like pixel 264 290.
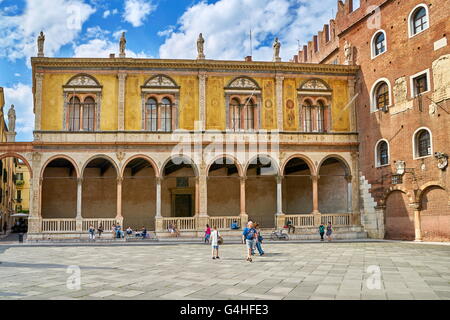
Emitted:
pixel 297 187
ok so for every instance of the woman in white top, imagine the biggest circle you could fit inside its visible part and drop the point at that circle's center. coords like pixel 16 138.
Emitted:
pixel 215 243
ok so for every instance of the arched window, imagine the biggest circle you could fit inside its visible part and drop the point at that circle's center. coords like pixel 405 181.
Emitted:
pixel 151 115
pixel 166 115
pixel 250 115
pixel 321 116
pixel 418 20
pixel 235 109
pixel 88 114
pixel 307 116
pixel 423 143
pixel 378 43
pixel 74 114
pixel 382 95
pixel 382 153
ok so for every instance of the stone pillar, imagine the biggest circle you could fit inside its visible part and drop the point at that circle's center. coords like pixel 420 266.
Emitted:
pixel 121 110
pixel 11 136
pixel 279 218
pixel 203 197
pixel 243 213
pixel 158 217
pixel 202 102
pixel 355 190
pixel 352 106
pixel 316 213
pixel 119 216
pixel 417 222
pixel 79 204
pixel 380 212
pixel 38 101
pixel 279 98
pixel 35 217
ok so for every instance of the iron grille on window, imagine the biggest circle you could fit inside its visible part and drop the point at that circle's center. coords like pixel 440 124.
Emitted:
pixel 383 152
pixel 382 96
pixel 420 84
pixel 380 44
pixel 420 20
pixel 424 143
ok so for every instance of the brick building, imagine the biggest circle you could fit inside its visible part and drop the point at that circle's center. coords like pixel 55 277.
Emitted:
pixel 403 91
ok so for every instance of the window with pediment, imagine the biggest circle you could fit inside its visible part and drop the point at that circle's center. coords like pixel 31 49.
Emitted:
pixel 160 96
pixel 243 98
pixel 82 101
pixel 315 98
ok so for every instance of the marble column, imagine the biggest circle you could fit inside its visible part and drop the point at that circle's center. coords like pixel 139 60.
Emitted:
pixel 202 102
pixel 316 212
pixel 279 98
pixel 121 110
pixel 279 195
pixel 352 102
pixel 35 217
pixel 158 217
pixel 79 217
pixel 119 216
pixel 243 212
pixel 417 222
pixel 38 101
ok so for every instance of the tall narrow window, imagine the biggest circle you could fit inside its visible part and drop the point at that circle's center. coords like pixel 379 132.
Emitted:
pixel 382 95
pixel 235 109
pixel 424 143
pixel 380 43
pixel 166 115
pixel 88 114
pixel 250 115
pixel 383 154
pixel 320 117
pixel 420 20
pixel 307 117
pixel 420 84
pixel 151 115
pixel 74 114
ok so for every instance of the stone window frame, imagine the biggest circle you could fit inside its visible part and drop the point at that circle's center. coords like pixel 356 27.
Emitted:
pixel 170 90
pixel 411 15
pixel 373 44
pixel 243 94
pixel 378 154
pixel 373 91
pixel 412 82
pixel 82 91
pixel 415 143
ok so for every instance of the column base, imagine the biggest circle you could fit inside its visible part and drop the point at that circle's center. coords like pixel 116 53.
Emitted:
pixel 34 225
pixel 202 221
pixel 280 220
pixel 79 225
pixel 317 218
pixel 159 224
pixel 244 220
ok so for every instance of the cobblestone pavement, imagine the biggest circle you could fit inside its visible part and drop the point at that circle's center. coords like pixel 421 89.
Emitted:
pixel 186 271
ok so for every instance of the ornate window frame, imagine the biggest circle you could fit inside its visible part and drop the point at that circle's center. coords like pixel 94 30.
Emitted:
pixel 378 154
pixel 411 22
pixel 82 85
pixel 315 90
pixel 158 87
pixel 243 88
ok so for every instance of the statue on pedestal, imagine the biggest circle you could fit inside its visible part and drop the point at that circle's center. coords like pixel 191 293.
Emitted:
pixel 40 43
pixel 200 47
pixel 123 42
pixel 12 119
pixel 348 54
pixel 276 50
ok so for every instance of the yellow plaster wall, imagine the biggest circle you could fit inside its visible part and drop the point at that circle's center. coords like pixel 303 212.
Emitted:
pixel 269 110
pixel 189 101
pixel 290 105
pixel 215 103
pixel 133 102
pixel 340 117
pixel 110 97
pixel 53 101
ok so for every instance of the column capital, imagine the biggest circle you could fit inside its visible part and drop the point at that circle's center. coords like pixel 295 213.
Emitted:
pixel 39 76
pixel 159 179
pixel 348 178
pixel 279 179
pixel 415 206
pixel 122 75
pixel 80 180
pixel 243 178
pixel 119 180
pixel 314 178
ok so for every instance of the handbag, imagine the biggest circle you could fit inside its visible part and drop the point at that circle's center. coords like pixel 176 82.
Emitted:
pixel 220 240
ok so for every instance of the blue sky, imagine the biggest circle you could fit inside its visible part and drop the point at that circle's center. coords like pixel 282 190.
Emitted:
pixel 154 29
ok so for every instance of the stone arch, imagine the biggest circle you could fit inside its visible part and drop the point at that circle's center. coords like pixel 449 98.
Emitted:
pixel 60 156
pixel 245 83
pixel 315 84
pixel 341 159
pixel 254 159
pixel 83 80
pixel 137 156
pixel 434 212
pixel 101 156
pixel 303 157
pixel 397 188
pixel 161 81
pixel 424 187
pixel 18 156
pixel 226 156
pixel 184 157
pixel 399 215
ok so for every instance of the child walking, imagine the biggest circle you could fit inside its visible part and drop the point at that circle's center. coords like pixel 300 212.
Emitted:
pixel 329 231
pixel 207 233
pixel 321 231
pixel 215 243
pixel 258 240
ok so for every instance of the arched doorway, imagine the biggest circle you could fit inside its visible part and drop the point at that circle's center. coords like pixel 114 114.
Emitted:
pixel 223 188
pixel 139 194
pixel 261 191
pixel 399 217
pixel 59 190
pixel 297 187
pixel 178 188
pixel 435 215
pixel 334 186
pixel 99 189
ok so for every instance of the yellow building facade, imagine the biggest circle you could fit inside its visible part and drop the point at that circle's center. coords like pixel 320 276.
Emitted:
pixel 154 143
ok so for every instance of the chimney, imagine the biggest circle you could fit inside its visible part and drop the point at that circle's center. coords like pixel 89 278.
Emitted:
pixel 112 55
pixel 248 59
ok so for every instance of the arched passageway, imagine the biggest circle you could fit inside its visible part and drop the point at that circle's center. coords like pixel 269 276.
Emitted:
pixel 223 188
pixel 139 194
pixel 334 187
pixel 261 191
pixel 99 189
pixel 435 215
pixel 178 188
pixel 399 217
pixel 297 187
pixel 59 190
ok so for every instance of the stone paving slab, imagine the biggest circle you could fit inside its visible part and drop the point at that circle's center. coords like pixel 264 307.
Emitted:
pixel 299 271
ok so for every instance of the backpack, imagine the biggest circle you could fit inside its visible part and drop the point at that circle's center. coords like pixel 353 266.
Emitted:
pixel 249 234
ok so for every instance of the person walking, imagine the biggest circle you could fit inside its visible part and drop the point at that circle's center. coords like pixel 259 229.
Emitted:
pixel 215 243
pixel 91 231
pixel 329 231
pixel 321 231
pixel 207 233
pixel 100 230
pixel 248 236
pixel 258 240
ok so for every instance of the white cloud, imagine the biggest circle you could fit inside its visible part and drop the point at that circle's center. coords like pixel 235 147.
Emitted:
pixel 21 96
pixel 107 13
pixel 101 48
pixel 136 11
pixel 18 33
pixel 96 32
pixel 226 26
